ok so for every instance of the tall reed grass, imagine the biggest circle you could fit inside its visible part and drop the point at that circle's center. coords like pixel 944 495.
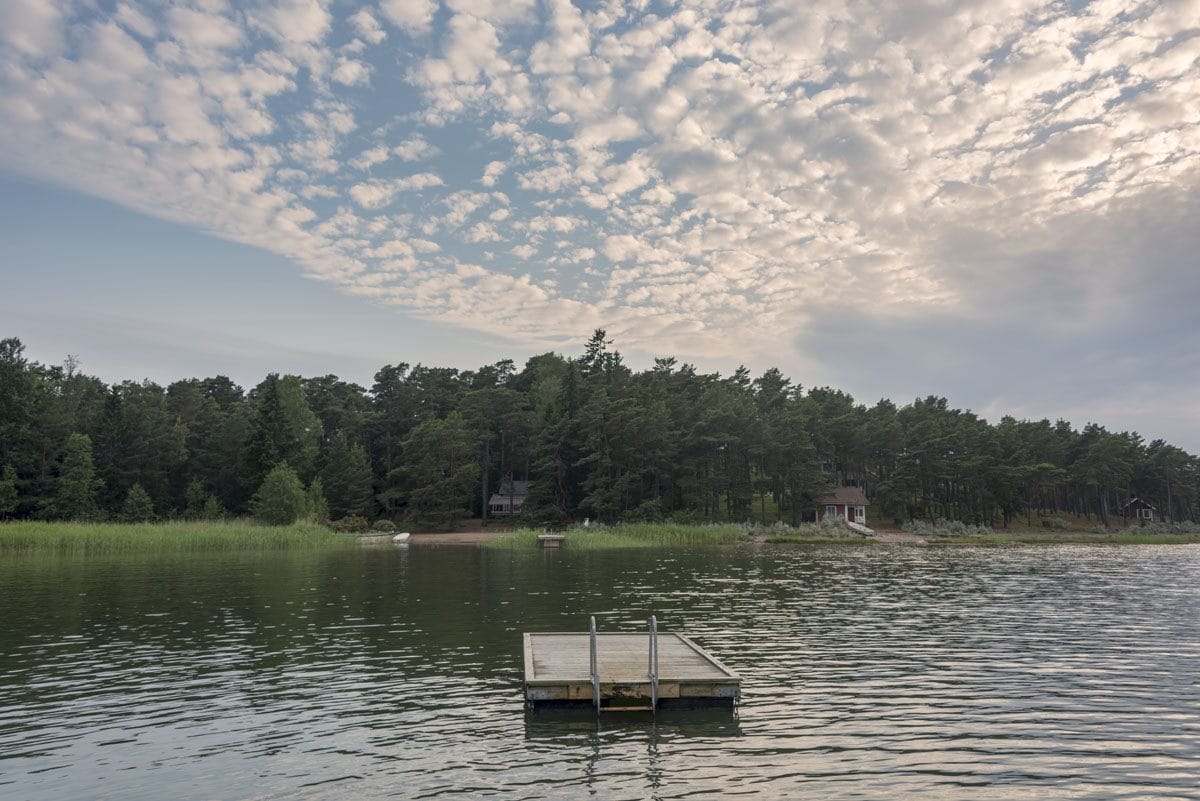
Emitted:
pixel 37 536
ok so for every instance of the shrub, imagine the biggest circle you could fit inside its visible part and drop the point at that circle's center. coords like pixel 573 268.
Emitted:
pixel 384 525
pixel 647 512
pixel 946 528
pixel 138 507
pixel 1055 523
pixel 351 524
pixel 212 509
pixel 280 500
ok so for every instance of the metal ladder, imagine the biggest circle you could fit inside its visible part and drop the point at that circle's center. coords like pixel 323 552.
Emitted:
pixel 651 666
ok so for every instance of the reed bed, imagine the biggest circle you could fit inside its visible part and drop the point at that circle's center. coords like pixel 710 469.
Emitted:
pixel 633 535
pixel 37 536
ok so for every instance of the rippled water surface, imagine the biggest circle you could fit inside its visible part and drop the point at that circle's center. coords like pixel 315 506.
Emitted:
pixel 1042 672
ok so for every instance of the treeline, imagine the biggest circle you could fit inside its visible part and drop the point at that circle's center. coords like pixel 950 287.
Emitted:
pixel 431 444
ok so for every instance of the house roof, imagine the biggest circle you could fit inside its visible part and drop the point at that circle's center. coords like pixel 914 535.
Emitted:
pixel 1132 501
pixel 848 495
pixel 519 488
pixel 502 500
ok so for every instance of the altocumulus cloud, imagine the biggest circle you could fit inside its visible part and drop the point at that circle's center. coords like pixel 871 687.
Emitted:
pixel 708 177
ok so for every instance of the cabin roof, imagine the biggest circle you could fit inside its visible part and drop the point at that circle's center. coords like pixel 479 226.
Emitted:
pixel 1138 501
pixel 853 496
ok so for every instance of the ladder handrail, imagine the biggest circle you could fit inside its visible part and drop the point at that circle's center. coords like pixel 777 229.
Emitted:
pixel 652 667
pixel 595 669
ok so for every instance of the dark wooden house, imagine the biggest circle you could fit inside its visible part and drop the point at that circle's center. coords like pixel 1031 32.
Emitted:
pixel 1137 509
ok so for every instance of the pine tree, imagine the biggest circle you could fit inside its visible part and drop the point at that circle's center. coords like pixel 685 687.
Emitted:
pixel 138 508
pixel 347 479
pixel 285 429
pixel 280 500
pixel 77 482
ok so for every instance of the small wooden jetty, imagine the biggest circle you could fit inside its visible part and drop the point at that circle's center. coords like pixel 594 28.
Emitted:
pixel 624 672
pixel 551 540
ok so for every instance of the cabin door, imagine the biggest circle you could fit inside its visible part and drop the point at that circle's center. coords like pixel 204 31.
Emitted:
pixel 850 513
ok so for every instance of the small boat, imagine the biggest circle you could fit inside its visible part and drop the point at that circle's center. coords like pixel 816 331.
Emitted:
pixel 401 537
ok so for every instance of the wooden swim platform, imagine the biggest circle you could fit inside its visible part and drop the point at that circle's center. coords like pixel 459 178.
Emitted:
pixel 621 672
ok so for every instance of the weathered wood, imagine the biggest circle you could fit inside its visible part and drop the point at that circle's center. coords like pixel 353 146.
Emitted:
pixel 557 668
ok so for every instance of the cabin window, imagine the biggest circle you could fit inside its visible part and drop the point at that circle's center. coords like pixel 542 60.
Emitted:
pixel 860 513
pixel 831 511
pixel 1147 514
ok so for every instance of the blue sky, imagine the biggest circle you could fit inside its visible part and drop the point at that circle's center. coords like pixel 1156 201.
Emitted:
pixel 992 201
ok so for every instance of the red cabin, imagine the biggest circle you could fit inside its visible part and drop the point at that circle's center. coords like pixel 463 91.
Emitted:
pixel 1139 510
pixel 845 503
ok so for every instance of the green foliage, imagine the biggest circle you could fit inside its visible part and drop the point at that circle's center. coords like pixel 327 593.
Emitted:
pixel 138 507
pixel 823 531
pixel 650 511
pixel 384 525
pixel 212 509
pixel 347 479
pixel 8 491
pixel 595 438
pixel 1055 523
pixel 202 504
pixel 190 536
pixel 316 508
pixel 353 524
pixel 439 470
pixel 285 428
pixel 77 482
pixel 945 528
pixel 280 500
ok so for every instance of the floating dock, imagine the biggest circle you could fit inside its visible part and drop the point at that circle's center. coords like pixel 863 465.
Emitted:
pixel 622 672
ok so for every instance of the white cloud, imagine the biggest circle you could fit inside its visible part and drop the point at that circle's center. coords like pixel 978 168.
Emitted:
pixel 367 26
pixel 378 193
pixel 293 21
pixel 412 15
pixel 721 176
pixel 414 149
pixel 492 173
pixel 201 30
pixel 351 72
pixel 370 157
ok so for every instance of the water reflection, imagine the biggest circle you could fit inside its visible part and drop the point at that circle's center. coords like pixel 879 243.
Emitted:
pixel 396 672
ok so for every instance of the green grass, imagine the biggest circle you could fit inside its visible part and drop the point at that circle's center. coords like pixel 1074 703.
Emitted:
pixel 35 536
pixel 634 535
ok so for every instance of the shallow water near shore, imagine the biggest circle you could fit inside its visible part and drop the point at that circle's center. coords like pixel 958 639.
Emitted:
pixel 395 672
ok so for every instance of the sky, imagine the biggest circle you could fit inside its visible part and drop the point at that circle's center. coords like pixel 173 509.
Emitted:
pixel 990 200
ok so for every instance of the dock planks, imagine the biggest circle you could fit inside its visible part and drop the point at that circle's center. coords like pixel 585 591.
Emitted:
pixel 557 671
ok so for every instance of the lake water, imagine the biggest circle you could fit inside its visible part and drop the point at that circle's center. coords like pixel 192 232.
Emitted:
pixel 958 673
